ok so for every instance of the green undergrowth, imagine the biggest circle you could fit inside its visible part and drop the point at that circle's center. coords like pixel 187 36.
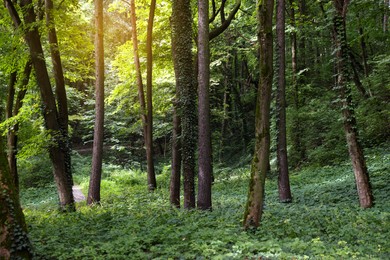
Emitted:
pixel 323 222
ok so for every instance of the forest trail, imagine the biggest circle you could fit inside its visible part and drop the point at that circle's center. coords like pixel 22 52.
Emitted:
pixel 77 193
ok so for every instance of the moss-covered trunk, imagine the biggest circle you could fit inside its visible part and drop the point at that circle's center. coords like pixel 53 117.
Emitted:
pixel 181 25
pixel 14 243
pixel 345 96
pixel 255 202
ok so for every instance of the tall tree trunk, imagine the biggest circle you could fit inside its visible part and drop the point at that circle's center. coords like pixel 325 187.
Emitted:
pixel 62 101
pixel 181 24
pixel 97 152
pixel 149 124
pixel 14 242
pixel 255 202
pixel 283 179
pixel 296 122
pixel 147 128
pixel 225 105
pixel 50 113
pixel 204 141
pixel 176 158
pixel 13 107
pixel 350 127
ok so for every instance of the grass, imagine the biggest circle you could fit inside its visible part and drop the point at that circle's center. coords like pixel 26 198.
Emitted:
pixel 324 221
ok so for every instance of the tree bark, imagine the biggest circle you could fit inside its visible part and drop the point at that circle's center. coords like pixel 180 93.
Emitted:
pixel 97 152
pixel 296 122
pixel 141 96
pixel 181 25
pixel 176 158
pixel 282 162
pixel 50 113
pixel 14 242
pixel 349 120
pixel 13 107
pixel 204 140
pixel 255 202
pixel 62 101
pixel 149 94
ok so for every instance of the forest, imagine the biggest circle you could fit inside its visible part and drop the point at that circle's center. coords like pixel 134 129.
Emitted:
pixel 183 129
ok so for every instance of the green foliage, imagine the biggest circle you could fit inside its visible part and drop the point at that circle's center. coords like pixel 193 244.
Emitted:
pixel 324 221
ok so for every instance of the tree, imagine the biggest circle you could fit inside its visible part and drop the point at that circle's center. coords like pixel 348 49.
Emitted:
pixel 50 112
pixel 349 120
pixel 205 153
pixel 203 69
pixel 181 29
pixel 97 153
pixel 14 104
pixel 60 91
pixel 260 162
pixel 146 115
pixel 174 187
pixel 149 102
pixel 283 179
pixel 14 242
pixel 296 139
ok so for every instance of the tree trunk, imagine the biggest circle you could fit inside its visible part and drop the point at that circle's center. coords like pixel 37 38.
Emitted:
pixel 225 105
pixel 14 242
pixel 349 120
pixel 13 107
pixel 356 78
pixel 97 152
pixel 181 23
pixel 204 141
pixel 363 47
pixel 62 101
pixel 255 202
pixel 147 128
pixel 282 162
pixel 11 135
pixel 296 122
pixel 176 158
pixel 149 124
pixel 64 185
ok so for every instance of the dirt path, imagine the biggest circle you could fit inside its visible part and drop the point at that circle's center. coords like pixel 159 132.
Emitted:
pixel 77 193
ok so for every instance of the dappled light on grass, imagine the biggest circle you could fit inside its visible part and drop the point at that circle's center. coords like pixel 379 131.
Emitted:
pixel 324 220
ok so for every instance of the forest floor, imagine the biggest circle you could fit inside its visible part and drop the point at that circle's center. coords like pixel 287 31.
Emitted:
pixel 324 221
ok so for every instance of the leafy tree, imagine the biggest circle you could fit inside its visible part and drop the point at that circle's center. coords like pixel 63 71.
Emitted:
pixel 56 149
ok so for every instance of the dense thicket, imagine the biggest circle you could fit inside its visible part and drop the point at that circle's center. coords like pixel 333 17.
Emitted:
pixel 311 103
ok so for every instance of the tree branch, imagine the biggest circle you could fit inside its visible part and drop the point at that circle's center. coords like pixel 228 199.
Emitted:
pixel 225 24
